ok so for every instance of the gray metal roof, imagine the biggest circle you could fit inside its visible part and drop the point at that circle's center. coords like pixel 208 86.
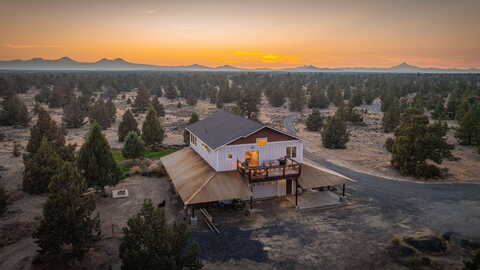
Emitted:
pixel 223 127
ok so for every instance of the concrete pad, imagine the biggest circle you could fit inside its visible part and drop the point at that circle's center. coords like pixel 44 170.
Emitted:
pixel 318 199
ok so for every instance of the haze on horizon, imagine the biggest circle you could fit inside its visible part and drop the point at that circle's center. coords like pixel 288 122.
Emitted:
pixel 251 34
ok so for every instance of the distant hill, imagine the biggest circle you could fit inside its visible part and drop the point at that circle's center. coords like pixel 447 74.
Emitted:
pixel 66 63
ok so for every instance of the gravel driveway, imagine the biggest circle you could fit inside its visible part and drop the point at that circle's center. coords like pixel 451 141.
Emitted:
pixel 441 207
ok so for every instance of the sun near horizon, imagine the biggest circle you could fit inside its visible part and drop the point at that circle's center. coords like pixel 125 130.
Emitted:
pixel 247 34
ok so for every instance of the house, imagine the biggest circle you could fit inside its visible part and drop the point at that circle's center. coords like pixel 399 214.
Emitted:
pixel 231 157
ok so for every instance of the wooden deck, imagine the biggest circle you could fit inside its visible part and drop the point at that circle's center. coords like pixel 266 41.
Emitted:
pixel 270 172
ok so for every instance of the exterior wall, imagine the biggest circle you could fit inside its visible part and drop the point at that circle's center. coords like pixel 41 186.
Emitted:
pixel 209 157
pixel 271 151
pixel 269 189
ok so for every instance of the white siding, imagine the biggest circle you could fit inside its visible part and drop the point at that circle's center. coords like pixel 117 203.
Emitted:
pixel 269 189
pixel 272 151
pixel 209 157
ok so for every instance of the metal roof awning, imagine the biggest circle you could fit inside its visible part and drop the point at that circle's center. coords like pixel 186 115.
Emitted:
pixel 196 182
pixel 315 176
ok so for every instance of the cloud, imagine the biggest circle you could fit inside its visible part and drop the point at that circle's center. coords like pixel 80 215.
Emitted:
pixel 150 11
pixel 29 46
pixel 261 57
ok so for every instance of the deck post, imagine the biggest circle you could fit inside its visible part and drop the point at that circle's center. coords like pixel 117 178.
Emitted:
pixel 296 193
pixel 193 212
pixel 343 190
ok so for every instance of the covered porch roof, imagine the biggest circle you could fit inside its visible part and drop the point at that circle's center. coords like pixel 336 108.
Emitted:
pixel 196 182
pixel 315 176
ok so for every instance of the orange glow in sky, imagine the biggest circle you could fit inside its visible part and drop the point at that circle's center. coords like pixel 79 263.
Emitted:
pixel 253 34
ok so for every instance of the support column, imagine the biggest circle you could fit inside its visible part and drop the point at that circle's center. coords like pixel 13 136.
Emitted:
pixel 296 192
pixel 343 190
pixel 251 197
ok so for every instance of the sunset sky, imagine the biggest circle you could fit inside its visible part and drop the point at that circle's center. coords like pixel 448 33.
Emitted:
pixel 275 33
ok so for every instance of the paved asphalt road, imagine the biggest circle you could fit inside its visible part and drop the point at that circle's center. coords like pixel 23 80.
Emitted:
pixel 440 207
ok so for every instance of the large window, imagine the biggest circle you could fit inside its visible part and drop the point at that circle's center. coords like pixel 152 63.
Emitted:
pixel 291 151
pixel 261 141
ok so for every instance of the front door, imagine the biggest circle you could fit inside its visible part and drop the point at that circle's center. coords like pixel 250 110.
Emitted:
pixel 289 186
pixel 251 157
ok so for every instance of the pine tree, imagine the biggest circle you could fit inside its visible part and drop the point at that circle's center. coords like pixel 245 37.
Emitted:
pixel 417 141
pixel 391 118
pixel 73 114
pixel 334 134
pixel 452 105
pixel 134 146
pixel 347 93
pixel 95 161
pixel 142 101
pixel 68 219
pixel 152 130
pixel 158 107
pixel 40 168
pixel 15 112
pixel 314 121
pixel 186 135
pixel 127 124
pixel 150 243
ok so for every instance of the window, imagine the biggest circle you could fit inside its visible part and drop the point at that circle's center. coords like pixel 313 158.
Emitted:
pixel 229 156
pixel 261 141
pixel 193 139
pixel 291 151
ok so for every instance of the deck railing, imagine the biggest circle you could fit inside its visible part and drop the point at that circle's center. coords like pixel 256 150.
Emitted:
pixel 270 171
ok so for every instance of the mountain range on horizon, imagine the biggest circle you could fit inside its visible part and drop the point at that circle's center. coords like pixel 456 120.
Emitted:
pixel 66 63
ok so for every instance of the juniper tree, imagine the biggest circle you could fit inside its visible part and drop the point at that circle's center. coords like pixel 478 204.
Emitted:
pixel 150 243
pixel 134 146
pixel 73 114
pixel 111 110
pixel 98 113
pixel 277 98
pixel 69 227
pixel 171 92
pixel 95 160
pixel 391 118
pixel 152 130
pixel 15 112
pixel 193 118
pixel 127 125
pixel 40 168
pixel 297 100
pixel 468 132
pixel 416 142
pixel 47 128
pixel 142 101
pixel 334 134
pixel 439 112
pixel 314 121
pixel 158 107
pixel 318 99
